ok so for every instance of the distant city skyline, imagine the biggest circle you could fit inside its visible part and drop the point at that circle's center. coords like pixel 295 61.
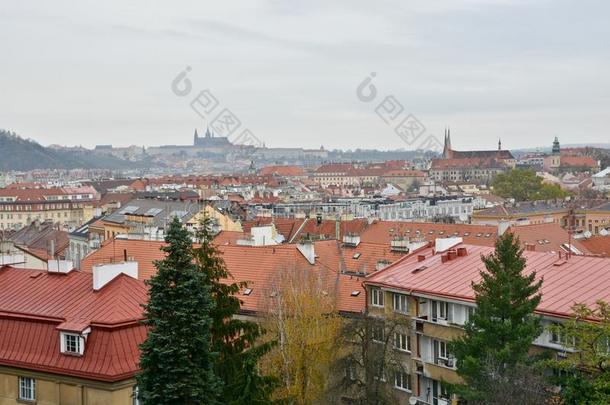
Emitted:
pixel 90 73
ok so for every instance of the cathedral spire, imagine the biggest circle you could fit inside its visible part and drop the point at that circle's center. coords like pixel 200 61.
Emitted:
pixel 499 143
pixel 447 146
pixel 195 137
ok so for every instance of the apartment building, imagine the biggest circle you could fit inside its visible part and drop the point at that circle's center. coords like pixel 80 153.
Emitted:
pixel 432 291
pixel 68 206
pixel 68 337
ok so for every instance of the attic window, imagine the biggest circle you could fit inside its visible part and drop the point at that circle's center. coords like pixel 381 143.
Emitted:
pixel 355 293
pixel 466 233
pixel 273 294
pixel 441 232
pixel 540 242
pixel 356 255
pixel 546 241
pixel 487 235
pixel 431 232
pixel 417 270
pixel 479 235
pixel 72 343
pixel 247 291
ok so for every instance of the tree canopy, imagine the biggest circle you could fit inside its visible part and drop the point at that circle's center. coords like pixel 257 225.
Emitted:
pixel 525 185
pixel 498 335
pixel 177 360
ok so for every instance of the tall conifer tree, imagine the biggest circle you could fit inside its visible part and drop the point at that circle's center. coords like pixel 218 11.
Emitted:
pixel 177 360
pixel 499 334
pixel 234 339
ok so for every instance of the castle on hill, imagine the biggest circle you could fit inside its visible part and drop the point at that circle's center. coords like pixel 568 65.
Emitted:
pixel 209 140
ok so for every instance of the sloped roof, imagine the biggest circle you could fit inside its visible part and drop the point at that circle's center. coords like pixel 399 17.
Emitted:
pixel 546 237
pixel 599 245
pixel 581 279
pixel 34 304
pixel 383 232
pixel 259 266
pixel 289 171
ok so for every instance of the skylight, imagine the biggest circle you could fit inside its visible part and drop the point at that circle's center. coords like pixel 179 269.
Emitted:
pixel 356 256
pixel 247 291
pixel 355 293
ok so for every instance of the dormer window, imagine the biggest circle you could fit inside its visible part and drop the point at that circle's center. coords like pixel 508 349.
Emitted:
pixel 72 343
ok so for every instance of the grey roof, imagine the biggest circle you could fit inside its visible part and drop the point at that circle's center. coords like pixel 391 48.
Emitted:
pixel 83 230
pixel 162 212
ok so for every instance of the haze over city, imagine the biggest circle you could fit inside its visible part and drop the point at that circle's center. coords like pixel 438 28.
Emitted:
pixel 87 73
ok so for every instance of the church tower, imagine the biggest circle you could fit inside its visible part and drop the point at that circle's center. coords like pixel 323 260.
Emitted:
pixel 195 138
pixel 447 146
pixel 499 144
pixel 556 149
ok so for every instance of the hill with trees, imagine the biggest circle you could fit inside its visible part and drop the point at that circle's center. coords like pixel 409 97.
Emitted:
pixel 21 154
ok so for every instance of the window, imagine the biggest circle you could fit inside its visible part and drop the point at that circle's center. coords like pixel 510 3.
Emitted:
pixel 27 389
pixel 442 355
pixel 402 380
pixel 376 297
pixel 400 303
pixel 440 311
pixel 72 343
pixel 378 333
pixel 402 341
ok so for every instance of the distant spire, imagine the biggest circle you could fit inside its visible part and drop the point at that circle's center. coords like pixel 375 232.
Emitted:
pixel 195 137
pixel 447 145
pixel 499 143
pixel 207 133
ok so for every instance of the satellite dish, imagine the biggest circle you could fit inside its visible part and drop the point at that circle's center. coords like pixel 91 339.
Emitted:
pixel 604 232
pixel 413 400
pixel 587 234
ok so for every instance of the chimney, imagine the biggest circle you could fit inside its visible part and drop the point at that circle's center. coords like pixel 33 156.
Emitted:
pixel 307 250
pixel 503 226
pixel 452 254
pixel 462 251
pixel 421 258
pixel 60 266
pixel 444 258
pixel 104 273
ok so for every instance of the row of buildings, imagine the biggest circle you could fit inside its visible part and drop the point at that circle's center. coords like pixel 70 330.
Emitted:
pixel 71 336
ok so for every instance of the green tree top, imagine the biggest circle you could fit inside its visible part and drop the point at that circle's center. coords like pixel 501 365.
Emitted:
pixel 503 326
pixel 234 339
pixel 525 185
pixel 176 360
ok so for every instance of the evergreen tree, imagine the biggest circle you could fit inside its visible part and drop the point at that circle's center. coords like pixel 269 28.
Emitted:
pixel 177 360
pixel 498 335
pixel 233 339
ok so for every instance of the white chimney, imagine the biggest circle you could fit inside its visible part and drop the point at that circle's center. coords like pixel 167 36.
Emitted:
pixel 104 273
pixel 503 226
pixel 444 244
pixel 59 266
pixel 308 251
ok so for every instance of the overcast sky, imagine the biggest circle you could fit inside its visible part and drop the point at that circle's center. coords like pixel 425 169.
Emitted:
pixel 101 72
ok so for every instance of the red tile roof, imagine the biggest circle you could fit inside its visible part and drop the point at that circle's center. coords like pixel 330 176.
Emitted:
pixel 33 304
pixel 546 237
pixel 288 171
pixel 599 245
pixel 259 266
pixel 581 279
pixel 285 226
pixel 578 161
pixel 382 232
